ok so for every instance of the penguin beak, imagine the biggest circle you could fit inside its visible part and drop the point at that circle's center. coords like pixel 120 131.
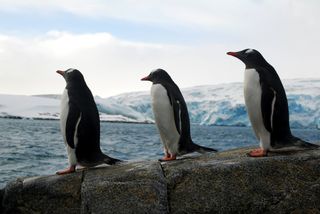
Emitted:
pixel 60 72
pixel 235 54
pixel 145 78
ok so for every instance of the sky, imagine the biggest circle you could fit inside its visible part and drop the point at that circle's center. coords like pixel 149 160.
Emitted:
pixel 116 43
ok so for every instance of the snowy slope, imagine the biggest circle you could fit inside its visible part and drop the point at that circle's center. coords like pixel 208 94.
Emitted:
pixel 208 105
pixel 29 106
pixel 48 107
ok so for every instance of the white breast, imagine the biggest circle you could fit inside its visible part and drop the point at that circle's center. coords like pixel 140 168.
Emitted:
pixel 252 96
pixel 64 110
pixel 164 118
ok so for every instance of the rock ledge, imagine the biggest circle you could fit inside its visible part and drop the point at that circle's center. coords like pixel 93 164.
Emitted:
pixel 225 182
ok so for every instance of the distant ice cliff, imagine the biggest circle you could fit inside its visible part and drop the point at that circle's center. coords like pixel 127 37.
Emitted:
pixel 208 105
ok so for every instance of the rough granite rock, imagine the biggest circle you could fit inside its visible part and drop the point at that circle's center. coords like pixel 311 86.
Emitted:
pixel 225 182
pixel 138 187
pixel 232 182
pixel 47 194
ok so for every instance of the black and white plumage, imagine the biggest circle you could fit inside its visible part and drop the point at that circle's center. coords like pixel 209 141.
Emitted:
pixel 267 104
pixel 80 123
pixel 171 116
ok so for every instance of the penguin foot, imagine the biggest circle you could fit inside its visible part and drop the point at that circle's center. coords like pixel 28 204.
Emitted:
pixel 69 170
pixel 168 158
pixel 258 153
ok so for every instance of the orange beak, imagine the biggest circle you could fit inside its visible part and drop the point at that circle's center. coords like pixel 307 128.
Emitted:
pixel 232 54
pixel 145 78
pixel 60 72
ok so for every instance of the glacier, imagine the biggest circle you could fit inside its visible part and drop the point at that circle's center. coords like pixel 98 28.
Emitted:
pixel 220 105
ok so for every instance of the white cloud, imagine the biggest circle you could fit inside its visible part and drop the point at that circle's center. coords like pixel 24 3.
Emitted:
pixel 231 16
pixel 286 32
pixel 112 66
pixel 203 13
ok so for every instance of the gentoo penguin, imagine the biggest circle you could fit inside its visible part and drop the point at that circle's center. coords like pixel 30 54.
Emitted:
pixel 80 124
pixel 267 105
pixel 171 116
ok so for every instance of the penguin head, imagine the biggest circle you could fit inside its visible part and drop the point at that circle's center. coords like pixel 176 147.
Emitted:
pixel 250 57
pixel 72 75
pixel 157 76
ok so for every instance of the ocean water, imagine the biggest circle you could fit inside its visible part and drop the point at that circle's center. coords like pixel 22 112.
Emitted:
pixel 35 147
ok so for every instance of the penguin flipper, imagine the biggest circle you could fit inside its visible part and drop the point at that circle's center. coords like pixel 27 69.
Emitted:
pixel 177 115
pixel 72 120
pixel 268 99
pixel 176 111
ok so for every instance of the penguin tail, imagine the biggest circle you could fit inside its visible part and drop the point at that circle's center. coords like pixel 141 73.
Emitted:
pixel 295 143
pixel 111 161
pixel 303 144
pixel 201 149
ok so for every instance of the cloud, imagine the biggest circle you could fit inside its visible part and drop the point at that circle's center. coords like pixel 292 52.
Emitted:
pixel 203 13
pixel 110 65
pixel 277 22
pixel 285 32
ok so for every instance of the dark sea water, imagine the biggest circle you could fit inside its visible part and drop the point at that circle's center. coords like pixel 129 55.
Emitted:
pixel 35 147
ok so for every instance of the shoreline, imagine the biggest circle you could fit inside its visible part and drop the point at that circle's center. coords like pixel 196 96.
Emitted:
pixel 57 119
pixel 135 122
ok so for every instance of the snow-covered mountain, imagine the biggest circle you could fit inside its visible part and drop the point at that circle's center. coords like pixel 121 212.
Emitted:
pixel 224 104
pixel 208 105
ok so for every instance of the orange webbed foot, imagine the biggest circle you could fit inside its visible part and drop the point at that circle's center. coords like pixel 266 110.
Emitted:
pixel 168 158
pixel 258 153
pixel 69 170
